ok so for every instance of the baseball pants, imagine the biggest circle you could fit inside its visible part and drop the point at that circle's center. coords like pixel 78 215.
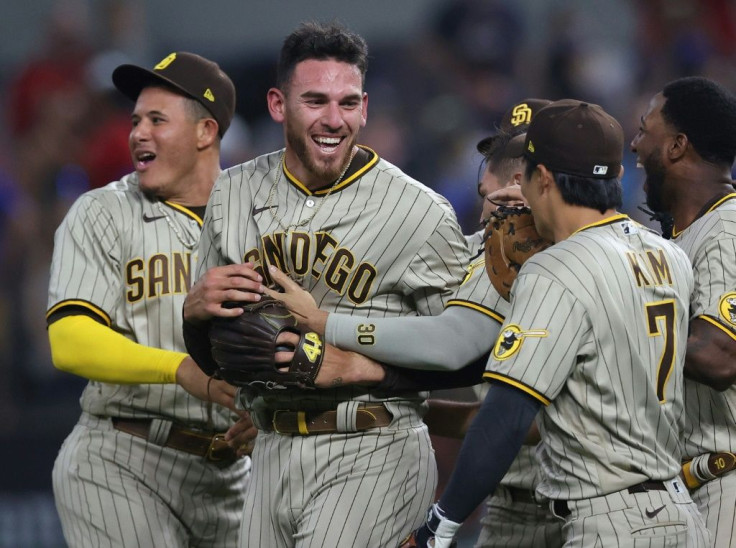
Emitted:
pixel 359 489
pixel 510 523
pixel 716 501
pixel 113 489
pixel 650 519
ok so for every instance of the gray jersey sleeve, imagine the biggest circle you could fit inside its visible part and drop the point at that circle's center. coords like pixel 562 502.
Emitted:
pixel 446 342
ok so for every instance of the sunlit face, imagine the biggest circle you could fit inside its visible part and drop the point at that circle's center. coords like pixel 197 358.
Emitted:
pixel 322 108
pixel 649 146
pixel 163 142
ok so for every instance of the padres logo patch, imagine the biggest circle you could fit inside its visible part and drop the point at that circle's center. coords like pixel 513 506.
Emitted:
pixel 510 339
pixel 727 308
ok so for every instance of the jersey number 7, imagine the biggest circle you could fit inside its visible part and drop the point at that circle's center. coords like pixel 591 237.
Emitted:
pixel 665 311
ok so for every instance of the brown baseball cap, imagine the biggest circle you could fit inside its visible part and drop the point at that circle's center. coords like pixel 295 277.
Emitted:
pixel 577 138
pixel 516 119
pixel 194 76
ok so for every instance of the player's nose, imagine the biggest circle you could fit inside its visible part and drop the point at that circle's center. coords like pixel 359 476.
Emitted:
pixel 332 116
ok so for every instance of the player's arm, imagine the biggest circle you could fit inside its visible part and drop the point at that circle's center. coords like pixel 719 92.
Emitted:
pixel 498 430
pixel 711 353
pixel 448 342
pixel 83 345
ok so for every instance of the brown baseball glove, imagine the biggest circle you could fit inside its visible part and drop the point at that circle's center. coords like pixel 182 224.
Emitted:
pixel 244 347
pixel 510 239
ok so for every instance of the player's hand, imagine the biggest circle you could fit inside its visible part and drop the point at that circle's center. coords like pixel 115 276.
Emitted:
pixel 234 282
pixel 437 532
pixel 298 301
pixel 509 196
pixel 339 367
pixel 241 436
pixel 195 381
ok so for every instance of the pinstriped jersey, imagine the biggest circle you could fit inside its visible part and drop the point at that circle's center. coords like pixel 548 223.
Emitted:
pixel 710 243
pixel 128 260
pixel 478 293
pixel 378 243
pixel 597 331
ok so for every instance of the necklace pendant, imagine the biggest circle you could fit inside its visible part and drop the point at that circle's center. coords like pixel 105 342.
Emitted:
pixel 310 203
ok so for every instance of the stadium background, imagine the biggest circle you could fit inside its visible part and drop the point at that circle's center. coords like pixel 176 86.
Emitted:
pixel 441 72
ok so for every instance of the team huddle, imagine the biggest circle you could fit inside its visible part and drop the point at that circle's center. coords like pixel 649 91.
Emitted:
pixel 261 342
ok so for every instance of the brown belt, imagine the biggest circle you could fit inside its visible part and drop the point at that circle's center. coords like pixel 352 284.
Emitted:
pixel 521 495
pixel 563 510
pixel 325 422
pixel 195 442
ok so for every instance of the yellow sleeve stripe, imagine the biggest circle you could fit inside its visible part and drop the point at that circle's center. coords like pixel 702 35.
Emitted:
pixel 84 304
pixel 719 325
pixel 482 309
pixel 489 375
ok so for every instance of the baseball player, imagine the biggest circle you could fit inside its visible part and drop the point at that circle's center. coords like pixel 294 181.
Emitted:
pixel 347 465
pixel 591 340
pixel 463 333
pixel 147 464
pixel 686 144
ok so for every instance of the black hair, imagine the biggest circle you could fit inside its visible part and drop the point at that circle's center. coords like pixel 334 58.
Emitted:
pixel 598 194
pixel 496 157
pixel 312 40
pixel 706 112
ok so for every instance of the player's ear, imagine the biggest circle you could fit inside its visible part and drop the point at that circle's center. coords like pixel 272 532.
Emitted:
pixel 276 100
pixel 676 149
pixel 207 129
pixel 364 117
pixel 621 172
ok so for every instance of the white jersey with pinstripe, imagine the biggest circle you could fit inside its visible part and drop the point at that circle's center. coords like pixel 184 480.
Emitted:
pixel 127 260
pixel 710 425
pixel 379 243
pixel 597 333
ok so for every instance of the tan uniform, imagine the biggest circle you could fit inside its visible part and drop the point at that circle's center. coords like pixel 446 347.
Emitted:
pixel 128 261
pixel 710 425
pixel 378 243
pixel 597 333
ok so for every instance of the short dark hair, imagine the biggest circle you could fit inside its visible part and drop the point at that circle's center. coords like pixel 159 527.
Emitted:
pixel 312 40
pixel 706 112
pixel 498 161
pixel 594 193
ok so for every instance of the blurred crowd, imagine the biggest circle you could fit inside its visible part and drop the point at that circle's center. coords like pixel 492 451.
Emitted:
pixel 432 97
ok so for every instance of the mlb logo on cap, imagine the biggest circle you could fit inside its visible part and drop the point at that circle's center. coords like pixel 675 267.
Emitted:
pixel 600 170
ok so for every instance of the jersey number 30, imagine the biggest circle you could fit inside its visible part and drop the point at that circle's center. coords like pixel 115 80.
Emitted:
pixel 664 310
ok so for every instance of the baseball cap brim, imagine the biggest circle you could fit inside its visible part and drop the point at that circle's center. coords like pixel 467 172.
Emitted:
pixel 131 79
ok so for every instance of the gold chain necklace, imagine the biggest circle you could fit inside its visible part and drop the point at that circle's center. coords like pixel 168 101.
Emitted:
pixel 188 243
pixel 272 193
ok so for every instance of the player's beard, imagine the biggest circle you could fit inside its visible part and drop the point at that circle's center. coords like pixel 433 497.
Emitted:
pixel 324 171
pixel 655 173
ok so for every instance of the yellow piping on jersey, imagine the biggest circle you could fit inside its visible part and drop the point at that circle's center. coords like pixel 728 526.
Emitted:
pixel 676 232
pixel 342 184
pixel 606 221
pixel 516 384
pixel 477 307
pixel 719 325
pixel 185 211
pixel 84 304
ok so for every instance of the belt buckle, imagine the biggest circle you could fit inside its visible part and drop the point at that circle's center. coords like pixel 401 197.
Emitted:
pixel 211 449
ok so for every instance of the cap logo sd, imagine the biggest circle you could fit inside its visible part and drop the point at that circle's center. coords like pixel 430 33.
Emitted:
pixel 521 114
pixel 165 62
